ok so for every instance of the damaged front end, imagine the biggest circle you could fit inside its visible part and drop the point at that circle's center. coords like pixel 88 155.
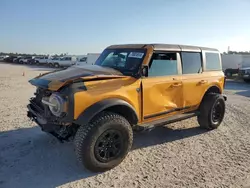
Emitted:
pixel 49 111
pixel 52 107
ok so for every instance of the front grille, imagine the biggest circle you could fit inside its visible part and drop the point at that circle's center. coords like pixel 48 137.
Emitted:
pixel 37 106
pixel 36 102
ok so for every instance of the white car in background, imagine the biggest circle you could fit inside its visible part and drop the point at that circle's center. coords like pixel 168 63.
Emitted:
pixel 3 57
pixel 15 59
pixel 65 61
pixel 25 60
pixel 41 60
pixel 90 59
pixel 53 60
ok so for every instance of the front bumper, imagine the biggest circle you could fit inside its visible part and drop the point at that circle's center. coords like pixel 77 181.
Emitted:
pixel 38 114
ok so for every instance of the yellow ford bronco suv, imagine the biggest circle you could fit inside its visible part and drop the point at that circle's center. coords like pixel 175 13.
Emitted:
pixel 130 87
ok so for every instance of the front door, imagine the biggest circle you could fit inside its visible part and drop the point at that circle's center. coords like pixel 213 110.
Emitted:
pixel 163 88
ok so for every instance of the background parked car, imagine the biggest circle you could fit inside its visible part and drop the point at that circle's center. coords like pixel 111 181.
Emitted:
pixel 3 57
pixel 65 61
pixel 41 60
pixel 25 60
pixel 244 73
pixel 90 59
pixel 53 60
pixel 9 59
pixel 16 60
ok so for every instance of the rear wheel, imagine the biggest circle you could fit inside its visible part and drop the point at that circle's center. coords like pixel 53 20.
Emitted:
pixel 103 143
pixel 56 65
pixel 212 111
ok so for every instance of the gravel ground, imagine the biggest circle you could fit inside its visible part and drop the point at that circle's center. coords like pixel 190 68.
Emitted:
pixel 179 155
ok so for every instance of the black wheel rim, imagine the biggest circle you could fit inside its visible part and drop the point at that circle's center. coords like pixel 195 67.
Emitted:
pixel 217 112
pixel 108 146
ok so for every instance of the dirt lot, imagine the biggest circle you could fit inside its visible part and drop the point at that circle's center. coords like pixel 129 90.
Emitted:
pixel 179 155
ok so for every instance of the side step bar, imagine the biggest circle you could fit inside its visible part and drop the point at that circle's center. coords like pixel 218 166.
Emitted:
pixel 165 121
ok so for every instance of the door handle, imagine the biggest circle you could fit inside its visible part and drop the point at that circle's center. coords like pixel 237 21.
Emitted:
pixel 203 82
pixel 176 84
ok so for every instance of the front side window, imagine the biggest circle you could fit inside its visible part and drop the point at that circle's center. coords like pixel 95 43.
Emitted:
pixel 163 64
pixel 213 61
pixel 127 61
pixel 191 62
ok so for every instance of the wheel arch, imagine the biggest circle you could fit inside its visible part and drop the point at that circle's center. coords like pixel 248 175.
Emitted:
pixel 118 106
pixel 213 89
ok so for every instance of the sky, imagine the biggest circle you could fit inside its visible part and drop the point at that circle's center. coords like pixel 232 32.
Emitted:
pixel 88 26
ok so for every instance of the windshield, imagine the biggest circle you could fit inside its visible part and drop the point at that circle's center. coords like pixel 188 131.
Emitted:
pixel 127 61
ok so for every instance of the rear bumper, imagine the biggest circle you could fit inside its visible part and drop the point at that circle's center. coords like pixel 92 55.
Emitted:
pixel 225 97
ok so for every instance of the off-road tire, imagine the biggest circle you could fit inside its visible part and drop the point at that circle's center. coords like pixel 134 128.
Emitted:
pixel 87 136
pixel 205 118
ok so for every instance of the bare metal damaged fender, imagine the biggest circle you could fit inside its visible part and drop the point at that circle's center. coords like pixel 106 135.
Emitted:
pixel 57 79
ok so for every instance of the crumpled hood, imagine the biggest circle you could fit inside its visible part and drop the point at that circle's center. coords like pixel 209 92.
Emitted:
pixel 56 79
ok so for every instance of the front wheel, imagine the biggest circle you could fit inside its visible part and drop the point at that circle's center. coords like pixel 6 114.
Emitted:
pixel 103 143
pixel 212 111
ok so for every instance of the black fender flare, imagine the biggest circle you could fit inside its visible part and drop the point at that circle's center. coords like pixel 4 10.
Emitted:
pixel 214 89
pixel 87 115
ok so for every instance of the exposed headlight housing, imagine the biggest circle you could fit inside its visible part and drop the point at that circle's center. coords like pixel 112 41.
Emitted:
pixel 56 103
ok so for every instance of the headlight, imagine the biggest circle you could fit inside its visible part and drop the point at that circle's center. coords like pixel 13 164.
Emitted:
pixel 56 103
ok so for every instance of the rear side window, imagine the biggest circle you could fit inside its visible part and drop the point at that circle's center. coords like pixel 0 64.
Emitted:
pixel 213 61
pixel 191 62
pixel 163 64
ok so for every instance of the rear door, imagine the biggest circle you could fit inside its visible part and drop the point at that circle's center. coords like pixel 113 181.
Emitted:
pixel 194 81
pixel 162 89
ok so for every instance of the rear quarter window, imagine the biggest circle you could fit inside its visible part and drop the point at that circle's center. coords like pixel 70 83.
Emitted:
pixel 213 61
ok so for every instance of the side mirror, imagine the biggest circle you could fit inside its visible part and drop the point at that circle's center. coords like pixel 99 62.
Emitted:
pixel 145 71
